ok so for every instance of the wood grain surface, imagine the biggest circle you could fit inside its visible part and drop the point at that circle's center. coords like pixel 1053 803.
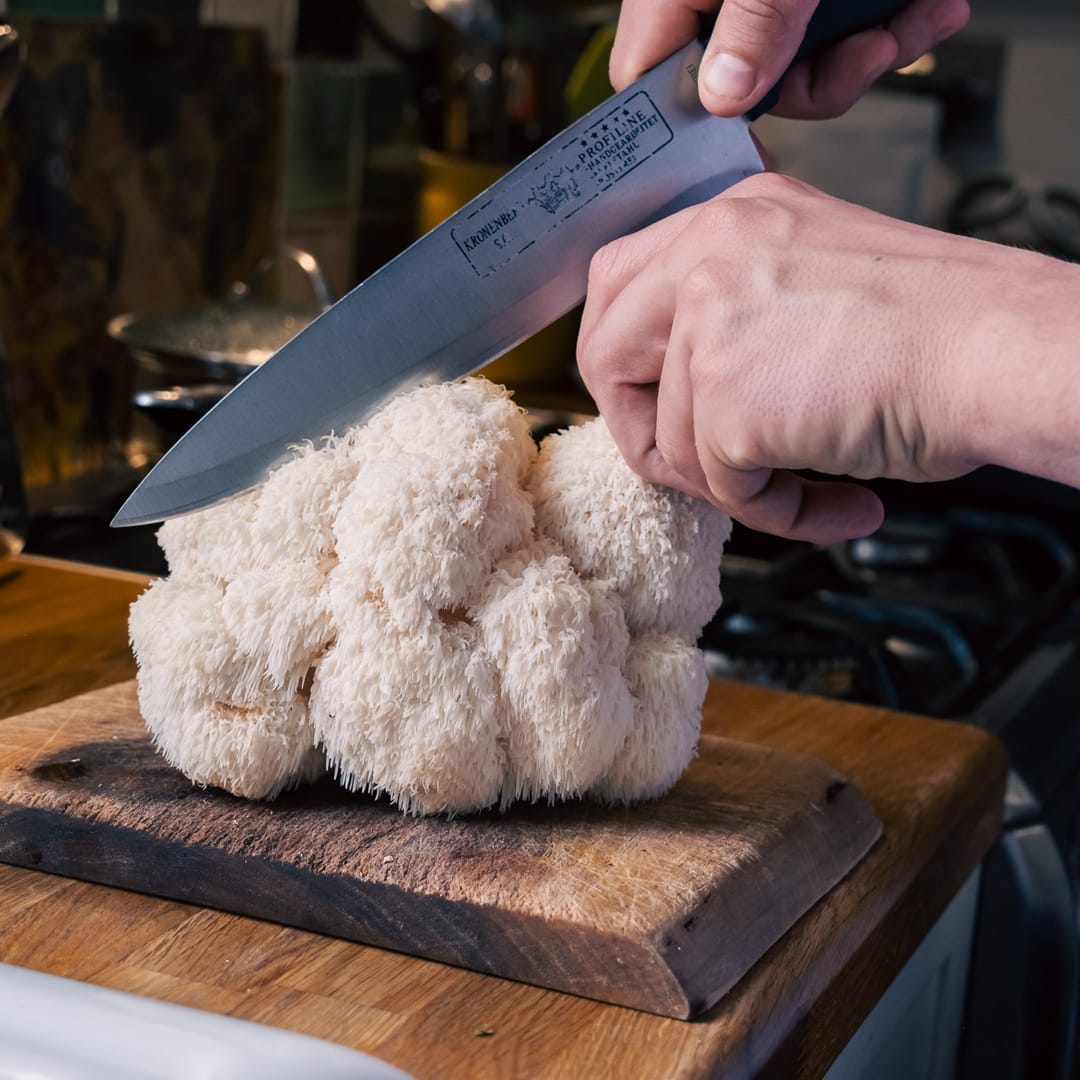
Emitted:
pixel 937 787
pixel 63 630
pixel 662 906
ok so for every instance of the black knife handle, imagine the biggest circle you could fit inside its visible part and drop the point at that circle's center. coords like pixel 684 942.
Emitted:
pixel 833 21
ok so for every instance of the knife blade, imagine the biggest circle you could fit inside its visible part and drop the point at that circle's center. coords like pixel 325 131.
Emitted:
pixel 506 265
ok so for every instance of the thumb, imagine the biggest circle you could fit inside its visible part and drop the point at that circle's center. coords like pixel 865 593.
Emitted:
pixel 751 46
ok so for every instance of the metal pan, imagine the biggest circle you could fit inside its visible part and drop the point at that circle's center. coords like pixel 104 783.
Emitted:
pixel 187 359
pixel 225 341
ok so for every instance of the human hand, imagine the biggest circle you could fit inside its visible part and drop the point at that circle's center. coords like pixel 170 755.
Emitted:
pixel 775 328
pixel 753 43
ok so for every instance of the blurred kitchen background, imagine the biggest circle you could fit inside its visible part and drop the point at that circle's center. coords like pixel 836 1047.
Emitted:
pixel 185 183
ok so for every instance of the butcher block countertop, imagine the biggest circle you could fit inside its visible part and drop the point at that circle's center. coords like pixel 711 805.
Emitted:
pixel 936 786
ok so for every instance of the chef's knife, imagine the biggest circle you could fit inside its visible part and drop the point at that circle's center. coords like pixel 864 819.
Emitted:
pixel 503 267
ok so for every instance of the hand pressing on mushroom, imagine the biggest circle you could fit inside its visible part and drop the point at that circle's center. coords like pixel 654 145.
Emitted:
pixel 429 608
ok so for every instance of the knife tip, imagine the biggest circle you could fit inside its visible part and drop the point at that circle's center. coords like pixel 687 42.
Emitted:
pixel 136 509
pixel 125 517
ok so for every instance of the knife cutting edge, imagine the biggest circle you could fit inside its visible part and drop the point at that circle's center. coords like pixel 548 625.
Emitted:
pixel 503 267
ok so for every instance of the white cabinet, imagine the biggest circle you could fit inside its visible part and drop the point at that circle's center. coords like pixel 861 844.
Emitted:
pixel 914 1031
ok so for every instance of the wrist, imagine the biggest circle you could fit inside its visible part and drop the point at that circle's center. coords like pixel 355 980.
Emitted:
pixel 1018 368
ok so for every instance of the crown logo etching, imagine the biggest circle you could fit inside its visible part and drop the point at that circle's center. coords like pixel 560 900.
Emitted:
pixel 556 190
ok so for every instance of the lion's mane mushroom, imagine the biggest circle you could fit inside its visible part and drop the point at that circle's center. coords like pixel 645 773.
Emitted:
pixel 559 645
pixel 432 610
pixel 216 715
pixel 660 547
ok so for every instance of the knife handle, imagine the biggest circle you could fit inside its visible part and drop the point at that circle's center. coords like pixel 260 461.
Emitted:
pixel 833 21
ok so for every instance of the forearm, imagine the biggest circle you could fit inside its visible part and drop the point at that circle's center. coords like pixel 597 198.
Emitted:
pixel 1022 370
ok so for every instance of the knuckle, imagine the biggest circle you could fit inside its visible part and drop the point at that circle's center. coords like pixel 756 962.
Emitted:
pixel 752 200
pixel 607 265
pixel 600 359
pixel 743 451
pixel 762 19
pixel 776 208
pixel 681 466
pixel 669 448
pixel 702 284
pixel 774 185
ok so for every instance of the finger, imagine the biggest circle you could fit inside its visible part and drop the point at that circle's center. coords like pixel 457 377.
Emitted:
pixel 624 342
pixel 775 500
pixel 750 47
pixel 623 376
pixel 783 504
pixel 676 443
pixel 831 83
pixel 821 512
pixel 630 414
pixel 924 23
pixel 627 341
pixel 622 358
pixel 650 31
pixel 615 265
pixel 828 85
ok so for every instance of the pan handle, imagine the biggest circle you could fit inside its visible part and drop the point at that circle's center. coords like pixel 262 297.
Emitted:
pixel 307 262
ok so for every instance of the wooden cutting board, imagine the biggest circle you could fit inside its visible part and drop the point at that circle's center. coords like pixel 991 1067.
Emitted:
pixel 661 907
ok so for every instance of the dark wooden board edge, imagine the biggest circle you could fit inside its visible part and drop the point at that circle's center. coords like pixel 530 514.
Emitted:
pixel 690 945
pixel 682 972
pixel 526 949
